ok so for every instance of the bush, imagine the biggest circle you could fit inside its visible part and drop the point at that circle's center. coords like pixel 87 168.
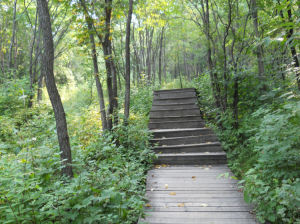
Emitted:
pixel 109 168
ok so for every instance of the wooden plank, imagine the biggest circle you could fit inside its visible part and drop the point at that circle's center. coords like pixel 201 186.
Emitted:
pixel 200 203
pixel 230 194
pixel 181 208
pixel 202 215
pixel 170 220
pixel 184 192
pixel 206 200
pixel 196 186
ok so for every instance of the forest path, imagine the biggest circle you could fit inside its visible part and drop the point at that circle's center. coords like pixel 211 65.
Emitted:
pixel 191 182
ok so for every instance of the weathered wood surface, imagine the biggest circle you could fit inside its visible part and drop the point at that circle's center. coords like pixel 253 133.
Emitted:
pixel 193 194
pixel 191 183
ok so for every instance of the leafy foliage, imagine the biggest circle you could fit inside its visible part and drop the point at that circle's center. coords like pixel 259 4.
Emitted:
pixel 110 170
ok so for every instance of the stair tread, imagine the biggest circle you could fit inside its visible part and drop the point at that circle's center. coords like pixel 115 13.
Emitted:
pixel 177 130
pixel 174 104
pixel 176 97
pixel 161 122
pixel 192 154
pixel 183 137
pixel 189 145
pixel 177 116
pixel 152 110
pixel 174 90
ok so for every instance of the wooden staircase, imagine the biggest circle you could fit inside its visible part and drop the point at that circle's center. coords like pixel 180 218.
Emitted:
pixel 186 185
pixel 180 135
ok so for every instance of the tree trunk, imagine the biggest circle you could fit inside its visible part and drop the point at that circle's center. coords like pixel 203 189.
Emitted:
pixel 127 69
pixel 12 42
pixel 48 62
pixel 213 75
pixel 293 48
pixel 259 50
pixel 137 61
pixel 32 78
pixel 149 49
pixel 160 54
pixel 96 69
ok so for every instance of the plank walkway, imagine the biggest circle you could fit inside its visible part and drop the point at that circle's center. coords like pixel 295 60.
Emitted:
pixel 191 182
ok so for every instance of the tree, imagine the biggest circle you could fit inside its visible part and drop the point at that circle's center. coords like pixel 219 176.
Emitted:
pixel 127 68
pixel 89 22
pixel 48 62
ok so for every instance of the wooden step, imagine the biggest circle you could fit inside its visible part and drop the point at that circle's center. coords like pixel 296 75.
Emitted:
pixel 185 140
pixel 195 158
pixel 176 118
pixel 175 106
pixel 176 124
pixel 179 112
pixel 174 90
pixel 168 133
pixel 175 100
pixel 170 95
pixel 189 148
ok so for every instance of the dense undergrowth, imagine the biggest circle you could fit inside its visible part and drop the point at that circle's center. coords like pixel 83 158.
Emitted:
pixel 109 168
pixel 264 152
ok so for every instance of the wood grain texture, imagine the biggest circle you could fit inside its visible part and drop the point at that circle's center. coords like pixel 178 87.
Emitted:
pixel 191 183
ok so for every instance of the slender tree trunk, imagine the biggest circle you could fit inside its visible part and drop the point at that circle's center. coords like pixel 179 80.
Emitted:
pixel 12 42
pixel 160 54
pixel 48 63
pixel 259 50
pixel 32 78
pixel 149 49
pixel 289 34
pixel 137 61
pixel 293 48
pixel 89 22
pixel 213 75
pixel 127 69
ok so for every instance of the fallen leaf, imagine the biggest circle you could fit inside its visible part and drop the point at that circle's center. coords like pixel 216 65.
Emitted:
pixel 194 177
pixel 148 205
pixel 157 166
pixel 152 189
pixel 166 186
pixel 152 175
pixel 164 165
pixel 206 168
pixel 172 193
pixel 180 205
pixel 204 205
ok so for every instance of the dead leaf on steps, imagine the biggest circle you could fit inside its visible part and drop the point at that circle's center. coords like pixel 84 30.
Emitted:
pixel 172 193
pixel 206 168
pixel 194 177
pixel 204 205
pixel 166 186
pixel 151 189
pixel 148 205
pixel 180 205
pixel 152 175
pixel 164 165
pixel 157 166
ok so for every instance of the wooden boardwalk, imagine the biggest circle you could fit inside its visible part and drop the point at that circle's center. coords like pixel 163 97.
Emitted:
pixel 191 182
